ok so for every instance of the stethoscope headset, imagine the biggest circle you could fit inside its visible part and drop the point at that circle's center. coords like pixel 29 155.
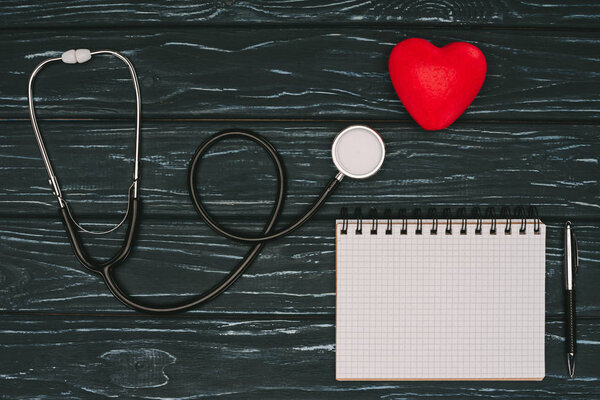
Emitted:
pixel 357 151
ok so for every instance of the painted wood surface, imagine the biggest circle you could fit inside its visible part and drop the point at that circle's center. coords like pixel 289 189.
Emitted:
pixel 469 164
pixel 297 72
pixel 274 72
pixel 541 14
pixel 222 358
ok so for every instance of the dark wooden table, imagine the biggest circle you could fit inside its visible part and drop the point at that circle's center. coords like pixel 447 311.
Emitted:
pixel 296 72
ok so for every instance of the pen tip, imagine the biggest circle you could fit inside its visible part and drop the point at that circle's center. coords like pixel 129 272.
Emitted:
pixel 571 364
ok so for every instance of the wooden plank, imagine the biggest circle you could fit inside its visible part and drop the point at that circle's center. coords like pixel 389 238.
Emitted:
pixel 30 14
pixel 551 166
pixel 316 73
pixel 174 259
pixel 54 357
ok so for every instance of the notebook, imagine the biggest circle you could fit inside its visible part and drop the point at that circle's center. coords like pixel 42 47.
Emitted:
pixel 458 302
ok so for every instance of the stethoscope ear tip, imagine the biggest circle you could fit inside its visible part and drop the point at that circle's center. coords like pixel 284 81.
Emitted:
pixel 358 152
pixel 76 56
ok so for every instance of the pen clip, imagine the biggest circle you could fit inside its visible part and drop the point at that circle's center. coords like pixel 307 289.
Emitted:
pixel 575 250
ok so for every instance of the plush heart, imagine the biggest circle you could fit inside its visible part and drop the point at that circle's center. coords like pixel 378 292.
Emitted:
pixel 436 85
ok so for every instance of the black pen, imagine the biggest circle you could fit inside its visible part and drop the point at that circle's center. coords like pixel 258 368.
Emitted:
pixel 571 268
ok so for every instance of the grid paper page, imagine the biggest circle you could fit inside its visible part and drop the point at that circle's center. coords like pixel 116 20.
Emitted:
pixel 440 306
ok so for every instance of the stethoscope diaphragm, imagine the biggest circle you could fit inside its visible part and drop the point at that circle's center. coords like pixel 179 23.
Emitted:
pixel 358 152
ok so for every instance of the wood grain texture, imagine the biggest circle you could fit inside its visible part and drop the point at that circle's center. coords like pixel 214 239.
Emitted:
pixel 57 357
pixel 318 73
pixel 541 14
pixel 554 167
pixel 175 259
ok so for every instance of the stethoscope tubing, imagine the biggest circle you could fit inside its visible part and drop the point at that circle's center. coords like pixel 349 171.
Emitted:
pixel 258 242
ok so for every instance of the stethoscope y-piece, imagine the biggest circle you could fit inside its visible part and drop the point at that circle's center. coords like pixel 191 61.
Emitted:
pixel 358 152
pixel 71 226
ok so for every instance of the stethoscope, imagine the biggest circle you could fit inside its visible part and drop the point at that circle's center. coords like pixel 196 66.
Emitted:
pixel 357 151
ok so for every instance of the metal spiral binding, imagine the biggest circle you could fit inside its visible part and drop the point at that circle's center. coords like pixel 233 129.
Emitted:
pixel 402 216
pixel 344 218
pixel 358 217
pixel 387 214
pixel 536 219
pixel 419 229
pixel 462 215
pixel 490 213
pixel 477 215
pixel 505 213
pixel 373 216
pixel 447 214
pixel 520 213
pixel 434 221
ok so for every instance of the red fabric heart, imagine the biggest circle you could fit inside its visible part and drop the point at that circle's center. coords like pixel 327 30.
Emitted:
pixel 436 85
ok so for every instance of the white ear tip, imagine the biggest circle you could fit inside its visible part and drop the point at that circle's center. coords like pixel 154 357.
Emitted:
pixel 82 55
pixel 68 57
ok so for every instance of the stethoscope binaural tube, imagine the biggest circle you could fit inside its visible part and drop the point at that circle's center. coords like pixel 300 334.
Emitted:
pixel 71 226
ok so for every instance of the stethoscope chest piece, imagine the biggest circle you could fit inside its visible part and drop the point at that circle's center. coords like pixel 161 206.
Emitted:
pixel 358 152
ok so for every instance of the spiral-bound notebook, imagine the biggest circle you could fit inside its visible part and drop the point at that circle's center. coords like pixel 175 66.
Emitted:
pixel 440 299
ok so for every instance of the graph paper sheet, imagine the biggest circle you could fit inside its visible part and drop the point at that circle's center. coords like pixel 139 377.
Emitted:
pixel 440 307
